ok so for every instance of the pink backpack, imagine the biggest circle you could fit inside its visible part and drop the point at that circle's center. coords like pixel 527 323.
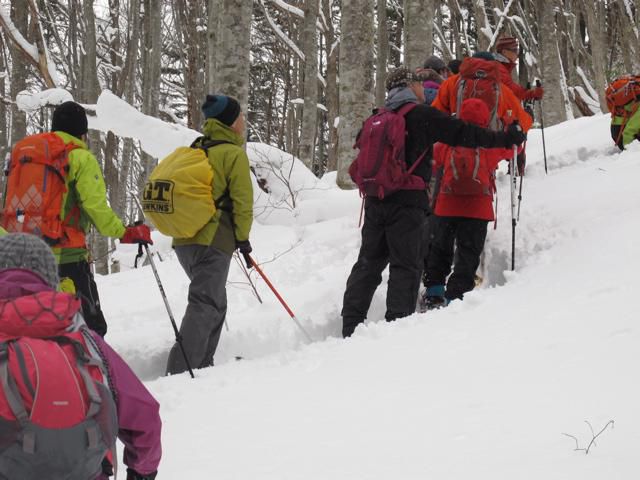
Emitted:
pixel 57 415
pixel 380 168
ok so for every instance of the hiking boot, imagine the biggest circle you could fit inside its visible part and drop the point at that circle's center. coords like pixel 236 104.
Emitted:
pixel 432 298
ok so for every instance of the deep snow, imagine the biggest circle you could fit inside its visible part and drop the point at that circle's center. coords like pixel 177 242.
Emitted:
pixel 483 389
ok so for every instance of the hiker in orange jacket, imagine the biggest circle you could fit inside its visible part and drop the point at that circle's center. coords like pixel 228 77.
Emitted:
pixel 506 55
pixel 508 108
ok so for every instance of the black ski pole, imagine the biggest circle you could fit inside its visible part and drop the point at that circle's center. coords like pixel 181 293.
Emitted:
pixel 163 294
pixel 544 146
pixel 520 196
pixel 512 182
pixel 166 304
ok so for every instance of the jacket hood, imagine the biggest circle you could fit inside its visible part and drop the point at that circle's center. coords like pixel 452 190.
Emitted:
pixel 474 110
pixel 19 282
pixel 216 130
pixel 399 96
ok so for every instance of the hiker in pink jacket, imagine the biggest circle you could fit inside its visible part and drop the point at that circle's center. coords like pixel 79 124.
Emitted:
pixel 34 317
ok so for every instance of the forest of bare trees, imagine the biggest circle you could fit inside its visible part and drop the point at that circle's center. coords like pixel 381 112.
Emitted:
pixel 306 72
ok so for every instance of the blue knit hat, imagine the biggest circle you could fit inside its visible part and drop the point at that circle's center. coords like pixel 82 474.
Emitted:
pixel 484 56
pixel 222 108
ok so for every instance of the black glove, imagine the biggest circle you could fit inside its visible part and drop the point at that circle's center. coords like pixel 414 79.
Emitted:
pixel 133 475
pixel 514 135
pixel 244 246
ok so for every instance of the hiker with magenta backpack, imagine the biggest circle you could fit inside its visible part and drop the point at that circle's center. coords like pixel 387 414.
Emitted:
pixel 202 196
pixel 463 211
pixel 65 395
pixel 392 171
pixel 55 190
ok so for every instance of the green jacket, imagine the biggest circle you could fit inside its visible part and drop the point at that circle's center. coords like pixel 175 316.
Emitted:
pixel 3 232
pixel 232 191
pixel 86 189
pixel 632 127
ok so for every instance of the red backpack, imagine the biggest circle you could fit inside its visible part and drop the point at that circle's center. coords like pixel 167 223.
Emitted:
pixel 480 79
pixel 57 414
pixel 36 186
pixel 380 168
pixel 620 92
pixel 466 173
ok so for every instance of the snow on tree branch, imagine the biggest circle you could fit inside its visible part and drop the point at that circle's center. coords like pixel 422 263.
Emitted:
pixel 501 15
pixel 278 31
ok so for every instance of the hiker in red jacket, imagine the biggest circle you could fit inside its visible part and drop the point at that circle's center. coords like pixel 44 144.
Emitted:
pixel 45 347
pixel 464 208
pixel 506 55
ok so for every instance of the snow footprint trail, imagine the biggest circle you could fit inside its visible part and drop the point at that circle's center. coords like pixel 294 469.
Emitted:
pixel 321 242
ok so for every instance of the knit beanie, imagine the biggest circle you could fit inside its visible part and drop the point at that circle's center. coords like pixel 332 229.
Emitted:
pixel 22 250
pixel 71 118
pixel 434 63
pixel 507 43
pixel 222 108
pixel 484 56
pixel 402 77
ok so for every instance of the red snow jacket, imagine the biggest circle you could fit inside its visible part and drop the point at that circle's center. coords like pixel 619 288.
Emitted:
pixel 24 293
pixel 470 206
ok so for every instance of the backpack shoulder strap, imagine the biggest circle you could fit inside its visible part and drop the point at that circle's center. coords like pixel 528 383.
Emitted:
pixel 205 143
pixel 406 108
pixel 10 388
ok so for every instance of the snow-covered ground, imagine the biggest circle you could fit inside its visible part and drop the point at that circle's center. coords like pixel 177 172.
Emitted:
pixel 484 389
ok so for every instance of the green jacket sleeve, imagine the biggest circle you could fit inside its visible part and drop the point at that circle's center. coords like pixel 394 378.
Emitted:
pixel 92 194
pixel 3 232
pixel 241 194
pixel 632 128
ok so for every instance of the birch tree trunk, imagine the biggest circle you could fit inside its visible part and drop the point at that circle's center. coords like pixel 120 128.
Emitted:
pixel 383 51
pixel 418 31
pixel 355 101
pixel 233 69
pixel 19 72
pixel 596 26
pixel 555 110
pixel 214 8
pixel 151 58
pixel 332 49
pixel 310 86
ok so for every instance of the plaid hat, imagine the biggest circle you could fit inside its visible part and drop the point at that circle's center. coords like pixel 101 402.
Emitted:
pixel 402 77
pixel 434 63
pixel 507 43
pixel 222 108
pixel 22 250
pixel 71 118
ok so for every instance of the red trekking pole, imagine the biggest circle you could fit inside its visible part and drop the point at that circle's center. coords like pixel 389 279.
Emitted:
pixel 252 263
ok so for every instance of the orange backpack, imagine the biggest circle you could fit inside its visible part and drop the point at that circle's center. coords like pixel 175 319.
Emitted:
pixel 36 186
pixel 622 91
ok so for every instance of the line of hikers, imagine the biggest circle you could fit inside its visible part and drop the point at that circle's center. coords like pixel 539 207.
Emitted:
pixel 426 208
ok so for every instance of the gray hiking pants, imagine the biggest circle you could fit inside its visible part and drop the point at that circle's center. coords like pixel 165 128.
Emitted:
pixel 207 268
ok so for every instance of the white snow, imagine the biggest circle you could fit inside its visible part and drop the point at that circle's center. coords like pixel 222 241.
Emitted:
pixel 32 101
pixel 483 389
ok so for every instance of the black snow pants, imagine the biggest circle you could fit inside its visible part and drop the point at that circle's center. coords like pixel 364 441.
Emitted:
pixel 469 235
pixel 392 235
pixel 86 289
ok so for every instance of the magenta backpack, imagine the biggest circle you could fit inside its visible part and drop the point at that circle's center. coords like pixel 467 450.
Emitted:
pixel 380 168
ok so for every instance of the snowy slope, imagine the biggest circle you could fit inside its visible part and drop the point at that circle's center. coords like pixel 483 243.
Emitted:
pixel 484 389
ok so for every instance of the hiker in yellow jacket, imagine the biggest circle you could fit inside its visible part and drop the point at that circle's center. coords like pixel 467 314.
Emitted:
pixel 206 256
pixel 85 204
